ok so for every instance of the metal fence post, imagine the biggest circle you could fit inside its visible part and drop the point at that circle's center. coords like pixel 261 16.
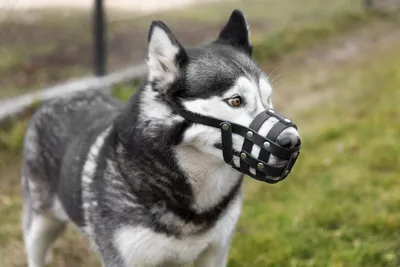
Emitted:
pixel 99 39
pixel 368 4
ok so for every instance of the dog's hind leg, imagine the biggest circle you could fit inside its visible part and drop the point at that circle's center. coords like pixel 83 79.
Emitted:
pixel 40 228
pixel 43 219
pixel 40 231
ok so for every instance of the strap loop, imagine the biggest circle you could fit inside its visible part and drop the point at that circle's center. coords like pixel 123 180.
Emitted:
pixel 226 137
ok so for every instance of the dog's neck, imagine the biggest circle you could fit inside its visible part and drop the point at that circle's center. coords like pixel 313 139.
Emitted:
pixel 211 179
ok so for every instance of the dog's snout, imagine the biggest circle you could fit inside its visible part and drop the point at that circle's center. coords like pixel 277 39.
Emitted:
pixel 289 140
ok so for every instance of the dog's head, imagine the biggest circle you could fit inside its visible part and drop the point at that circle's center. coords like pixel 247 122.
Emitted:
pixel 218 80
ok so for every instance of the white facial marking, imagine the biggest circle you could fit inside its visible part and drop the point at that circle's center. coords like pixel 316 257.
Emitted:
pixel 256 96
pixel 205 137
pixel 210 177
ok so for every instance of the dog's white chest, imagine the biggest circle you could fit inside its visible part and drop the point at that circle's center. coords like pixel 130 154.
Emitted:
pixel 140 246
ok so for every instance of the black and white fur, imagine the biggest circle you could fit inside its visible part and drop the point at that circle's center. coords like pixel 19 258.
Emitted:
pixel 145 186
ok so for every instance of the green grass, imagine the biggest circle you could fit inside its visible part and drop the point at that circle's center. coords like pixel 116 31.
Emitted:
pixel 125 91
pixel 277 45
pixel 11 138
pixel 339 207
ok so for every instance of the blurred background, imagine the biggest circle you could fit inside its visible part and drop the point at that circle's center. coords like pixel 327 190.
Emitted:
pixel 335 69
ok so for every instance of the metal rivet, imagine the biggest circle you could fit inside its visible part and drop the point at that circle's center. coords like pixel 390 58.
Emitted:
pixel 267 144
pixel 225 127
pixel 260 166
pixel 271 110
pixel 287 120
pixel 249 134
pixel 295 155
pixel 286 173
pixel 243 155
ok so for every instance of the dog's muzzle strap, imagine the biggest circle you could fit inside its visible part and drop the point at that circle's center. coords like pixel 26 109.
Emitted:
pixel 267 144
pixel 226 137
pixel 248 145
pixel 262 167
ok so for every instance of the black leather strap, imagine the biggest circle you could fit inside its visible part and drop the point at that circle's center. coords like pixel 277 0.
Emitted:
pixel 248 144
pixel 267 169
pixel 281 118
pixel 257 139
pixel 226 137
pixel 252 137
pixel 273 136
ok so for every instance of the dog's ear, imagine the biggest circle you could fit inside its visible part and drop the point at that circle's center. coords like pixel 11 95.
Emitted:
pixel 165 55
pixel 236 33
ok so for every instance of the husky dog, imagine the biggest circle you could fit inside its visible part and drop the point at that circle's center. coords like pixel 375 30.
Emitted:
pixel 144 185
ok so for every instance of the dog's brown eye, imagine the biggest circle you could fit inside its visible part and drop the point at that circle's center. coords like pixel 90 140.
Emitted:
pixel 235 101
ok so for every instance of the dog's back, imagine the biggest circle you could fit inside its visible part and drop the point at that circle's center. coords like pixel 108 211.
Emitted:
pixel 77 118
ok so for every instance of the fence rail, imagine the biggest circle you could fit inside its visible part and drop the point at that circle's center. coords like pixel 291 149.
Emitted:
pixel 17 105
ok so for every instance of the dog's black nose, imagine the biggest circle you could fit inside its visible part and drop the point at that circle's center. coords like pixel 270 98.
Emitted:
pixel 289 141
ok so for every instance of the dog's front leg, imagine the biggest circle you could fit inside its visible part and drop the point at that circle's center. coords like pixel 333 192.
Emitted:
pixel 213 256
